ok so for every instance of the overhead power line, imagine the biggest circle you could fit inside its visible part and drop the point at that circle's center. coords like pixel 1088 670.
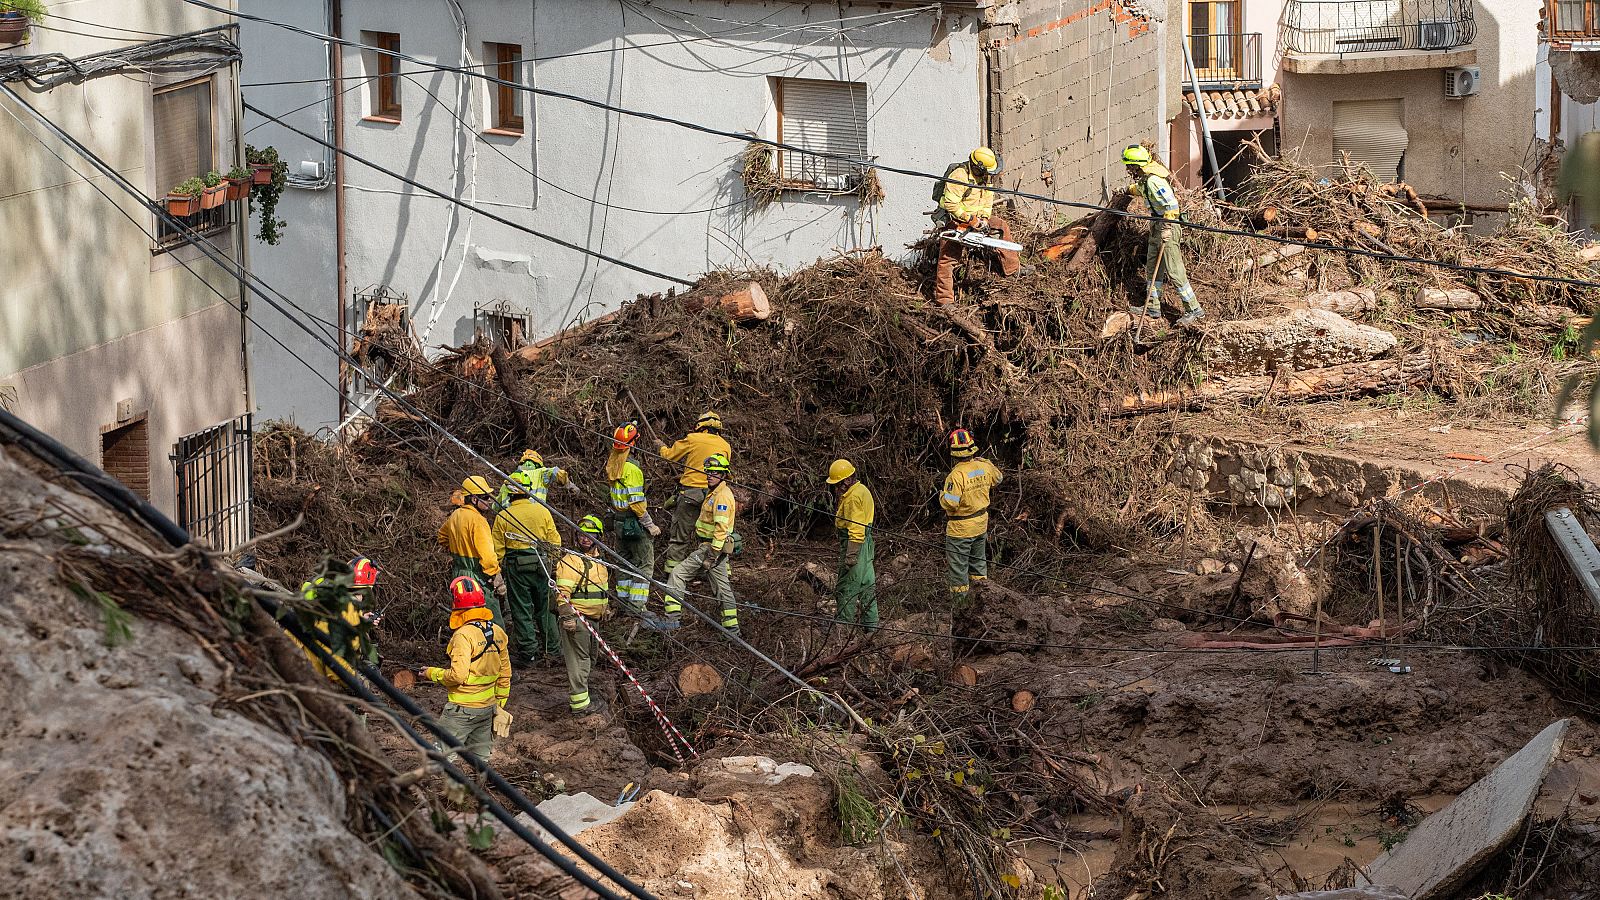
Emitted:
pixel 748 138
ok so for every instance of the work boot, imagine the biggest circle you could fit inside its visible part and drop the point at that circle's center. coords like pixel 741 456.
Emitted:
pixel 1190 318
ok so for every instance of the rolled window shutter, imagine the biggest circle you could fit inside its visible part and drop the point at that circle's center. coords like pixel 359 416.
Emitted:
pixel 1372 132
pixel 184 145
pixel 826 116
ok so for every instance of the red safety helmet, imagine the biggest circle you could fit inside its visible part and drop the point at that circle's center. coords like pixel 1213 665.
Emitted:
pixel 624 436
pixel 466 593
pixel 961 443
pixel 364 573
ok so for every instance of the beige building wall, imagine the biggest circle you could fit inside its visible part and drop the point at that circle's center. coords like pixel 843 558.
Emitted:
pixel 1071 83
pixel 1456 148
pixel 90 316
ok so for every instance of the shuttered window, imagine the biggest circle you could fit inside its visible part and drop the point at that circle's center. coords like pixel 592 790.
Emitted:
pixel 185 145
pixel 825 116
pixel 1372 132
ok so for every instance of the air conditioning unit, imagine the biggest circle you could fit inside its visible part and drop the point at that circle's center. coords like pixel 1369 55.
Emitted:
pixel 1461 81
pixel 1437 35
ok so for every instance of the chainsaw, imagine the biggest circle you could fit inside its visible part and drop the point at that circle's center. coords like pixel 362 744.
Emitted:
pixel 972 238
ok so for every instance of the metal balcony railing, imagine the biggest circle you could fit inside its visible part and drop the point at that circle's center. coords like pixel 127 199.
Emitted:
pixel 1572 18
pixel 1375 26
pixel 1226 59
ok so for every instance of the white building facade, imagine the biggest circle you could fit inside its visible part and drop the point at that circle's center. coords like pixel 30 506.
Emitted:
pixel 899 82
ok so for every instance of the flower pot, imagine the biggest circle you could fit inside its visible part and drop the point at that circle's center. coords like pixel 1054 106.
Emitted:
pixel 260 173
pixel 238 188
pixel 182 204
pixel 13 28
pixel 213 197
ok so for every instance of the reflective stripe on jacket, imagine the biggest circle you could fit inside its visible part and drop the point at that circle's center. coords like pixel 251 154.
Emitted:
pixel 466 534
pixel 966 497
pixel 582 580
pixel 716 517
pixel 692 451
pixel 1157 191
pixel 627 491
pixel 478 674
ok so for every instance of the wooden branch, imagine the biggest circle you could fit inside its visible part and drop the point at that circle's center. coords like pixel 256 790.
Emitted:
pixel 1350 379
pixel 1100 231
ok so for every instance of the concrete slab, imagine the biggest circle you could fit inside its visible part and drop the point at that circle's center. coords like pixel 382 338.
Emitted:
pixel 575 813
pixel 1450 846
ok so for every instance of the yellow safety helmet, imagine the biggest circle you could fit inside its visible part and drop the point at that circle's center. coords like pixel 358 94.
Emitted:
pixel 591 525
pixel 988 161
pixel 961 444
pixel 533 457
pixel 476 485
pixel 716 464
pixel 840 470
pixel 1136 155
pixel 708 421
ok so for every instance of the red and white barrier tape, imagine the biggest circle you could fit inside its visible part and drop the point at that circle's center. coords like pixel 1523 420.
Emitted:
pixel 667 728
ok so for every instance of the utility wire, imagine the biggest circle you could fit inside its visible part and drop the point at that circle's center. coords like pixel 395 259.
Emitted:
pixel 883 167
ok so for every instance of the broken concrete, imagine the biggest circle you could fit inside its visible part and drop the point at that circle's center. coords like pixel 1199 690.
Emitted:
pixel 1449 847
pixel 760 769
pixel 1299 339
pixel 575 813
pixel 1362 893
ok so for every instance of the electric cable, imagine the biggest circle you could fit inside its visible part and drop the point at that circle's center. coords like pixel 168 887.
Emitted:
pixel 884 167
pixel 156 34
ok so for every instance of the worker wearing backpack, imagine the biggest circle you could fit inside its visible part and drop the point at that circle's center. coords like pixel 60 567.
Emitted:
pixel 966 201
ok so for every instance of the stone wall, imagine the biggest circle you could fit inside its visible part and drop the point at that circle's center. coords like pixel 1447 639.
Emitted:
pixel 1072 82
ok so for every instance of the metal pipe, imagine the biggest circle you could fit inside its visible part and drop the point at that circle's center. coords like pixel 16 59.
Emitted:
pixel 336 66
pixel 1205 125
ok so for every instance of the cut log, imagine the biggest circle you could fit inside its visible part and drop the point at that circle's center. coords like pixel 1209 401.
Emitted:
pixel 964 675
pixel 696 679
pixel 1590 253
pixel 1348 380
pixel 405 680
pixel 748 304
pixel 1274 257
pixel 1346 303
pixel 1100 231
pixel 1451 299
pixel 1550 315
pixel 1022 701
pixel 1067 244
pixel 1295 232
pixel 536 349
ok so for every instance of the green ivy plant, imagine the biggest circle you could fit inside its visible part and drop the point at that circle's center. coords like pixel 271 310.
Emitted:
pixel 238 172
pixel 33 10
pixel 268 194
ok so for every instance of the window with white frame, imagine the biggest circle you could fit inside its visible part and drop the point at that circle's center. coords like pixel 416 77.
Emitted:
pixel 824 117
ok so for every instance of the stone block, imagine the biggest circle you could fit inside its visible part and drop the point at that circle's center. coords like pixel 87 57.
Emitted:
pixel 1299 339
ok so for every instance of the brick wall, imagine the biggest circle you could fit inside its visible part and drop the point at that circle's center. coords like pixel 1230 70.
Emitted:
pixel 1072 83
pixel 125 455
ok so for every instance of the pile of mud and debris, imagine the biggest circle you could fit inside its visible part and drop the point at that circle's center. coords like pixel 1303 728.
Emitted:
pixel 1159 694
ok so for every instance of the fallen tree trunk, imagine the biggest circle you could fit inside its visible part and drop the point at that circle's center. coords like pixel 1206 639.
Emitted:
pixel 1350 379
pixel 748 304
pixel 1100 230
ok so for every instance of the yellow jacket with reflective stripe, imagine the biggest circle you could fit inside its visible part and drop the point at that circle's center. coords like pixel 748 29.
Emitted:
pixel 716 517
pixel 964 199
pixel 351 615
pixel 476 683
pixel 582 580
pixel 627 486
pixel 692 452
pixel 523 526
pixel 855 512
pixel 966 497
pixel 466 533
pixel 1157 191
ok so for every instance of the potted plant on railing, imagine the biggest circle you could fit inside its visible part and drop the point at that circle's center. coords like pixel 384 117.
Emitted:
pixel 267 193
pixel 215 193
pixel 239 180
pixel 184 200
pixel 15 18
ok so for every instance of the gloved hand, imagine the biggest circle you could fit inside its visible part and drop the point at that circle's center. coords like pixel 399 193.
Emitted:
pixel 422 674
pixel 502 722
pixel 654 529
pixel 572 488
pixel 852 555
pixel 569 623
pixel 499 585
pixel 981 224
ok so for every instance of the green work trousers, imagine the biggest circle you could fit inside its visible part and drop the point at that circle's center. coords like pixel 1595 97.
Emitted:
pixel 639 548
pixel 577 651
pixel 856 592
pixel 1163 264
pixel 466 565
pixel 967 560
pixel 721 584
pixel 472 726
pixel 533 621
pixel 681 537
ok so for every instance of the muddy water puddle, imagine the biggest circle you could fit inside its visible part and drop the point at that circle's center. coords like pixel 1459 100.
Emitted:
pixel 1328 835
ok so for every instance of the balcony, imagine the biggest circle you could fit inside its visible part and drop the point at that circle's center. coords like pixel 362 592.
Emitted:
pixel 1356 36
pixel 1572 24
pixel 1226 60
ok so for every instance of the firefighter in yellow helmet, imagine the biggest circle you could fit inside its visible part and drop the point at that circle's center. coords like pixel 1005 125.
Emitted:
pixel 714 528
pixel 522 533
pixel 705 441
pixel 635 530
pixel 855 591
pixel 1163 258
pixel 965 501
pixel 479 675
pixel 966 201
pixel 465 536
pixel 581 583
pixel 541 478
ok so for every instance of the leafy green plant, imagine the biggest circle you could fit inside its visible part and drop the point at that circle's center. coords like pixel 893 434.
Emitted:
pixel 268 194
pixel 189 187
pixel 858 817
pixel 238 172
pixel 212 178
pixel 33 10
